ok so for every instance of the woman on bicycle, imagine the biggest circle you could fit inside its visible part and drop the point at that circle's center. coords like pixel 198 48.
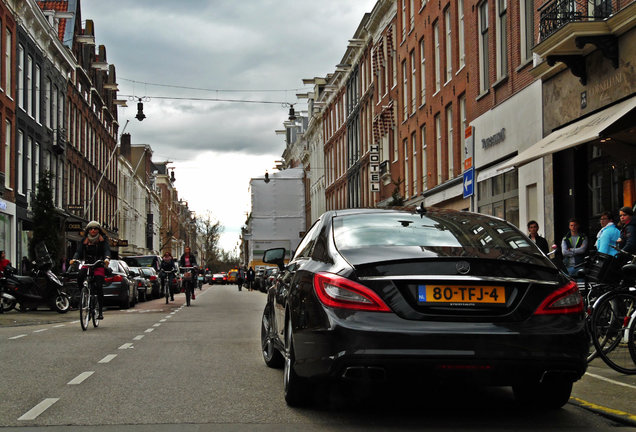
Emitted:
pixel 167 265
pixel 93 248
pixel 188 260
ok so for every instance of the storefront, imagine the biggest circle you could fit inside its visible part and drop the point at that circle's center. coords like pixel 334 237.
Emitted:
pixel 589 144
pixel 7 228
pixel 504 191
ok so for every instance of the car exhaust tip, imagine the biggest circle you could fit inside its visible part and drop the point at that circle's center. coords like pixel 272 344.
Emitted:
pixel 364 373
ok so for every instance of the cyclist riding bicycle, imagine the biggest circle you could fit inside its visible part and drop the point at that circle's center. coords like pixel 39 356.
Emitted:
pixel 188 260
pixel 167 265
pixel 94 247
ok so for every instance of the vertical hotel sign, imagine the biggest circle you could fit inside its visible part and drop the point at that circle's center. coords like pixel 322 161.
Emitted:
pixel 374 168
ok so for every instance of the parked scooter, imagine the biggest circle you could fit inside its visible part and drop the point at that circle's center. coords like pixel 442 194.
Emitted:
pixel 7 301
pixel 43 288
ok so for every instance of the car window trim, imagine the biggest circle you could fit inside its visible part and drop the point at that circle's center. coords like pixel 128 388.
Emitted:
pixel 458 278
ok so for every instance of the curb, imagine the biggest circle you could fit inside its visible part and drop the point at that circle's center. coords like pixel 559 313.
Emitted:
pixel 613 414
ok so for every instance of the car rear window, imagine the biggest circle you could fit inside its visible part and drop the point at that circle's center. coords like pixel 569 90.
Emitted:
pixel 431 231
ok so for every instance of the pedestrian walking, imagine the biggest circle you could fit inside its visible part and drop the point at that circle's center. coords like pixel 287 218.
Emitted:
pixel 250 279
pixel 573 247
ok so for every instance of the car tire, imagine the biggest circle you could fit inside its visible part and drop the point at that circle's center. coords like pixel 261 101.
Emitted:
pixel 125 304
pixel 551 394
pixel 272 357
pixel 298 390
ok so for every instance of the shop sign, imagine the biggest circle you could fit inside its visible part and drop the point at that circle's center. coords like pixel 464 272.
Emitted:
pixel 73 226
pixel 123 243
pixel 74 207
pixel 495 139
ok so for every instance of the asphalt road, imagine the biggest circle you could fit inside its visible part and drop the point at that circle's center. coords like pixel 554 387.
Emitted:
pixel 160 368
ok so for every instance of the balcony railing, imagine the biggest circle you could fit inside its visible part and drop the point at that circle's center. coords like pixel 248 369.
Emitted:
pixel 558 13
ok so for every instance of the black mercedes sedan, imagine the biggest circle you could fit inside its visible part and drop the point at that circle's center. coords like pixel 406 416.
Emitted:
pixel 423 295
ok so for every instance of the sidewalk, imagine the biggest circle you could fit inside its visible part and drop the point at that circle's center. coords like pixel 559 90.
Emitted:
pixel 607 392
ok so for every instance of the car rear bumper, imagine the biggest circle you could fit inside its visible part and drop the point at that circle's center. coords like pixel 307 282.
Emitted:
pixel 488 353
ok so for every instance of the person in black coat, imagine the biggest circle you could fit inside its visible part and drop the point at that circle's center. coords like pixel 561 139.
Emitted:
pixel 94 247
pixel 533 233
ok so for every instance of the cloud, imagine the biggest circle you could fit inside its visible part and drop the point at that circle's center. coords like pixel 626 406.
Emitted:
pixel 236 50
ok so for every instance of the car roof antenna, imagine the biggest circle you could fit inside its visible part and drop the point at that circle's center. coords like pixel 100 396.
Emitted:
pixel 421 210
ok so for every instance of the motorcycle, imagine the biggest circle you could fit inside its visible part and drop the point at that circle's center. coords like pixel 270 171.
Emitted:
pixel 43 287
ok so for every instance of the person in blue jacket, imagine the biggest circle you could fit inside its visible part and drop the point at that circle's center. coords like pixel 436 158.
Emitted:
pixel 608 235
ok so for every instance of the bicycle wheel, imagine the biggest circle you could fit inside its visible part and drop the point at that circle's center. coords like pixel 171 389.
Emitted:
pixel 631 338
pixel 166 289
pixel 94 312
pixel 84 307
pixel 591 294
pixel 187 293
pixel 610 324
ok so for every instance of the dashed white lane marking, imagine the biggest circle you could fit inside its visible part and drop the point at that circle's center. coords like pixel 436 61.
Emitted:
pixel 80 378
pixel 138 337
pixel 126 346
pixel 38 409
pixel 40 331
pixel 610 380
pixel 156 325
pixel 150 330
pixel 163 320
pixel 108 358
pixel 18 336
pixel 59 325
pixel 74 322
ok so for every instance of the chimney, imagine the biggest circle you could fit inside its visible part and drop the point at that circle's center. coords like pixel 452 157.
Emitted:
pixel 124 148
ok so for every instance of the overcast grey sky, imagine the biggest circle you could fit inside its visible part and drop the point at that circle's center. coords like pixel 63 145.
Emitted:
pixel 175 53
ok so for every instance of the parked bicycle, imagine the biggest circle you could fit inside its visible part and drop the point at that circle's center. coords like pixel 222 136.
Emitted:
pixel 613 322
pixel 88 308
pixel 167 277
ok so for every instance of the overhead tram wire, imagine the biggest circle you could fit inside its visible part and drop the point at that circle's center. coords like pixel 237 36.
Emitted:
pixel 211 99
pixel 214 90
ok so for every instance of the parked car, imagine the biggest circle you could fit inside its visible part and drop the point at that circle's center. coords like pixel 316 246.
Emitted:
pixel 231 276
pixel 119 287
pixel 144 287
pixel 155 284
pixel 219 278
pixel 208 277
pixel 143 261
pixel 419 296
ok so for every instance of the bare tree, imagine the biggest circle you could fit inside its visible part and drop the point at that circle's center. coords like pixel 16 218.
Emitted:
pixel 210 231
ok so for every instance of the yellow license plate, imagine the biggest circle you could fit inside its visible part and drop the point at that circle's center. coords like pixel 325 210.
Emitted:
pixel 461 294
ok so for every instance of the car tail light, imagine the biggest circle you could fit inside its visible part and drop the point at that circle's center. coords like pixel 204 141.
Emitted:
pixel 339 292
pixel 116 278
pixel 565 300
pixel 139 283
pixel 153 278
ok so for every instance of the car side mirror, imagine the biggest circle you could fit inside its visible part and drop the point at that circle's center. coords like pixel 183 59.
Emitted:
pixel 275 256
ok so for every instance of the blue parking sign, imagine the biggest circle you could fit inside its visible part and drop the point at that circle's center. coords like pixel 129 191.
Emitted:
pixel 469 183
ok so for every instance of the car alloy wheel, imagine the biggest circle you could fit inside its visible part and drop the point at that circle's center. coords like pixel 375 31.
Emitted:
pixel 298 390
pixel 272 357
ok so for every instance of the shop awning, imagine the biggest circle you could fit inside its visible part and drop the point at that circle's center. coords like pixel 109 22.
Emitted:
pixel 582 131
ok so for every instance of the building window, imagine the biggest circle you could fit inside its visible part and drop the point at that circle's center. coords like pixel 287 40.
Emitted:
pixel 502 41
pixel 484 71
pixel 422 72
pixel 29 169
pixel 407 168
pixel 47 102
pixel 20 82
pixel 460 33
pixel 526 11
pixel 20 165
pixel 403 19
pixel 499 196
pixel 7 155
pixel 38 96
pixel 424 167
pixel 411 14
pixel 449 58
pixel 29 85
pixel 438 147
pixel 462 126
pixel 405 90
pixel 413 82
pixel 7 64
pixel 414 161
pixel 437 66
pixel 449 141
pixel 36 163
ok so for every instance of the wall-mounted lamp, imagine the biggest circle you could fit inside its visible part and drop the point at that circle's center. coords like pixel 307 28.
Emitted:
pixel 292 113
pixel 267 175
